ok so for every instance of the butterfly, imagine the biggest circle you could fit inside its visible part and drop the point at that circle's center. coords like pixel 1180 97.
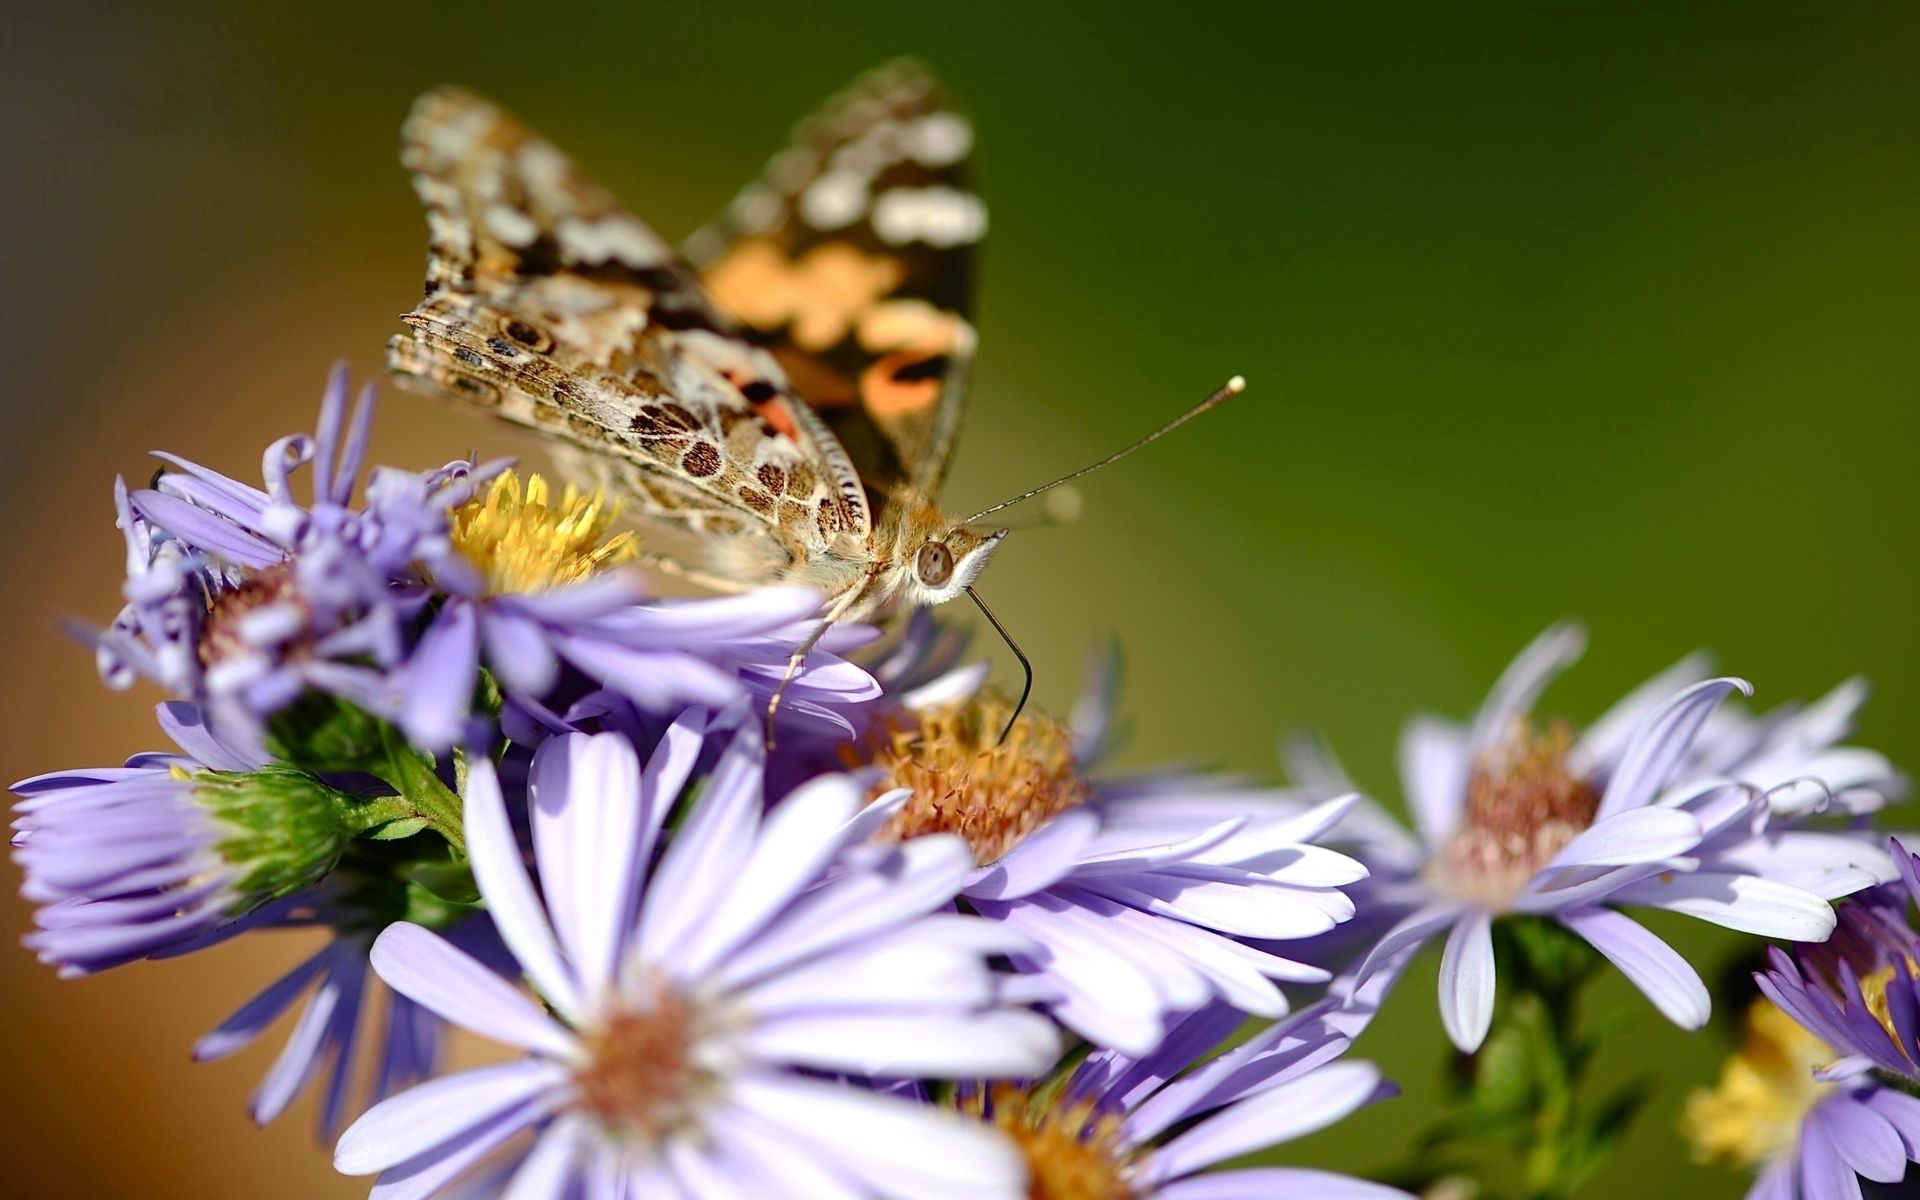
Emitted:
pixel 778 401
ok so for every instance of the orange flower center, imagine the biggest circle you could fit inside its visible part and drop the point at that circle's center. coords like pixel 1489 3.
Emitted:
pixel 1524 804
pixel 1073 1151
pixel 640 1078
pixel 220 635
pixel 966 780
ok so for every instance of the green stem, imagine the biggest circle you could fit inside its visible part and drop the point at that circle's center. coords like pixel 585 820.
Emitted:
pixel 412 775
pixel 1523 1122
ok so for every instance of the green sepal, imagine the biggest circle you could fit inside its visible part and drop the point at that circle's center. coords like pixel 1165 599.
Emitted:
pixel 326 735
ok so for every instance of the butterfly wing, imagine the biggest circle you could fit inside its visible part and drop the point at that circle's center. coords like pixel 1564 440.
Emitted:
pixel 851 259
pixel 550 305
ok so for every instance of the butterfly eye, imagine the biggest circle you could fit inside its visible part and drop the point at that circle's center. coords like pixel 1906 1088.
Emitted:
pixel 531 336
pixel 934 564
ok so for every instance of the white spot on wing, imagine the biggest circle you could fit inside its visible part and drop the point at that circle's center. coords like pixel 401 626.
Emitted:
pixel 941 139
pixel 511 226
pixel 938 216
pixel 613 238
pixel 834 201
pixel 544 168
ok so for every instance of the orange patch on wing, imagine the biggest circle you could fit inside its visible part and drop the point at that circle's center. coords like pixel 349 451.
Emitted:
pixel 776 414
pixel 887 396
pixel 820 294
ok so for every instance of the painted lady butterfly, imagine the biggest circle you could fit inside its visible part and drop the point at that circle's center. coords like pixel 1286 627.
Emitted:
pixel 781 402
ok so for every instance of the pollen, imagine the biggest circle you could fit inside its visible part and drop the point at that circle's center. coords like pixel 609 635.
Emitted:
pixel 639 1078
pixel 966 780
pixel 1524 805
pixel 1073 1150
pixel 526 542
pixel 1753 1115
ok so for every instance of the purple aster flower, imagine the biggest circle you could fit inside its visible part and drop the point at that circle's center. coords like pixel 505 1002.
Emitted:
pixel 1147 1128
pixel 242 598
pixel 179 852
pixel 1139 894
pixel 127 862
pixel 1648 807
pixel 1822 1093
pixel 699 996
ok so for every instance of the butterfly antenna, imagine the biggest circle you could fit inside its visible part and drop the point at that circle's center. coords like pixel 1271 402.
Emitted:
pixel 1231 388
pixel 1026 688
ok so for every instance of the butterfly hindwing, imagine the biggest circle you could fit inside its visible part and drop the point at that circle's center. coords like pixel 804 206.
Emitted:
pixel 851 259
pixel 548 303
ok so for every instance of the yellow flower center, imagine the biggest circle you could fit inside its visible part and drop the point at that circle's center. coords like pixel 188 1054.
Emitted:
pixel 1873 989
pixel 1766 1089
pixel 525 542
pixel 965 780
pixel 1073 1151
pixel 1524 804
pixel 639 1078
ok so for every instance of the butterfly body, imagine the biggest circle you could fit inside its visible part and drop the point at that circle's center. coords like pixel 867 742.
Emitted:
pixel 782 412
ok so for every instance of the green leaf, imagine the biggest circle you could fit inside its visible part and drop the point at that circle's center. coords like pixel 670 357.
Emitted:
pixel 405 827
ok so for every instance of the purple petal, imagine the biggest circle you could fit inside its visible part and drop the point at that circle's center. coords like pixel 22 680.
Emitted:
pixel 1824 1175
pixel 251 1019
pixel 1863 1138
pixel 587 824
pixel 419 1120
pixel 895 1147
pixel 1742 902
pixel 1041 859
pixel 552 1164
pixel 1411 931
pixel 797 842
pixel 338 996
pixel 1278 1115
pixel 199 528
pixel 1433 774
pixel 1272 1183
pixel 518 651
pixel 502 875
pixel 1903 1113
pixel 1636 835
pixel 1606 737
pixel 926 875
pixel 1514 693
pixel 1653 966
pixel 333 415
pixel 426 969
pixel 666 773
pixel 704 859
pixel 1467 980
pixel 441 677
pixel 1661 741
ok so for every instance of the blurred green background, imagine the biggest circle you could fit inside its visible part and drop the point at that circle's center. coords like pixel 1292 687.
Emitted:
pixel 1593 309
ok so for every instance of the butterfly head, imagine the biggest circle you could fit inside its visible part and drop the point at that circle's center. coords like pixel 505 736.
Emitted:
pixel 929 558
pixel 944 565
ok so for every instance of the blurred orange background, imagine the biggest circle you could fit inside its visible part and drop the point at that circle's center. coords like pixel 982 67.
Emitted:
pixel 1549 309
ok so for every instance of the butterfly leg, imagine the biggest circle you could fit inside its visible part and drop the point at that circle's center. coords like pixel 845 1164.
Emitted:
pixel 839 608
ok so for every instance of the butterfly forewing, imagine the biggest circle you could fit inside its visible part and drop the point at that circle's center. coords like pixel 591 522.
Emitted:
pixel 549 304
pixel 851 259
